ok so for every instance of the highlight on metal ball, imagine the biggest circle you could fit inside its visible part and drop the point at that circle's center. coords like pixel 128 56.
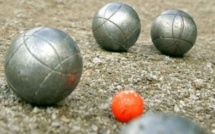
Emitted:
pixel 174 32
pixel 116 27
pixel 161 123
pixel 43 66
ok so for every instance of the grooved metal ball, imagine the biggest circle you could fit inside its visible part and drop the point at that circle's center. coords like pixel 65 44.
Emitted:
pixel 43 66
pixel 116 27
pixel 174 32
pixel 161 123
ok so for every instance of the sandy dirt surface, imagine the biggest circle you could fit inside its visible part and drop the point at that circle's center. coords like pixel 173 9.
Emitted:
pixel 184 86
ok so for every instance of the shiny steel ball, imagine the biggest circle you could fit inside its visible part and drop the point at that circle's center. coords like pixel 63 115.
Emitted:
pixel 43 66
pixel 161 123
pixel 116 27
pixel 174 32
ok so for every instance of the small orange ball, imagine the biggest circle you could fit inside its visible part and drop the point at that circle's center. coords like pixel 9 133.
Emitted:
pixel 126 105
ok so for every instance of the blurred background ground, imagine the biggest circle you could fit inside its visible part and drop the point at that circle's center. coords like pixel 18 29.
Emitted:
pixel 184 86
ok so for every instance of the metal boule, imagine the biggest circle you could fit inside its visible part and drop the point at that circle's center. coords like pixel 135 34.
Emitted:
pixel 174 32
pixel 116 27
pixel 43 66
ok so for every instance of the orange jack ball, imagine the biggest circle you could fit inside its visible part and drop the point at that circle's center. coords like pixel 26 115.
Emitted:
pixel 126 105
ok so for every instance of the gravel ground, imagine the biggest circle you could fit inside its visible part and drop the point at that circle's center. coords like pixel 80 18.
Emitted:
pixel 184 86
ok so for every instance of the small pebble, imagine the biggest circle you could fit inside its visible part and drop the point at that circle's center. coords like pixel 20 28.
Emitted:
pixel 176 109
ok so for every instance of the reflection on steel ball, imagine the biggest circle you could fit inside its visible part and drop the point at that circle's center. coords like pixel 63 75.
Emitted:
pixel 116 27
pixel 161 123
pixel 43 66
pixel 174 32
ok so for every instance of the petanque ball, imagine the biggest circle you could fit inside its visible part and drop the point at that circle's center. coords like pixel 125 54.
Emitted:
pixel 161 123
pixel 43 66
pixel 116 27
pixel 174 32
